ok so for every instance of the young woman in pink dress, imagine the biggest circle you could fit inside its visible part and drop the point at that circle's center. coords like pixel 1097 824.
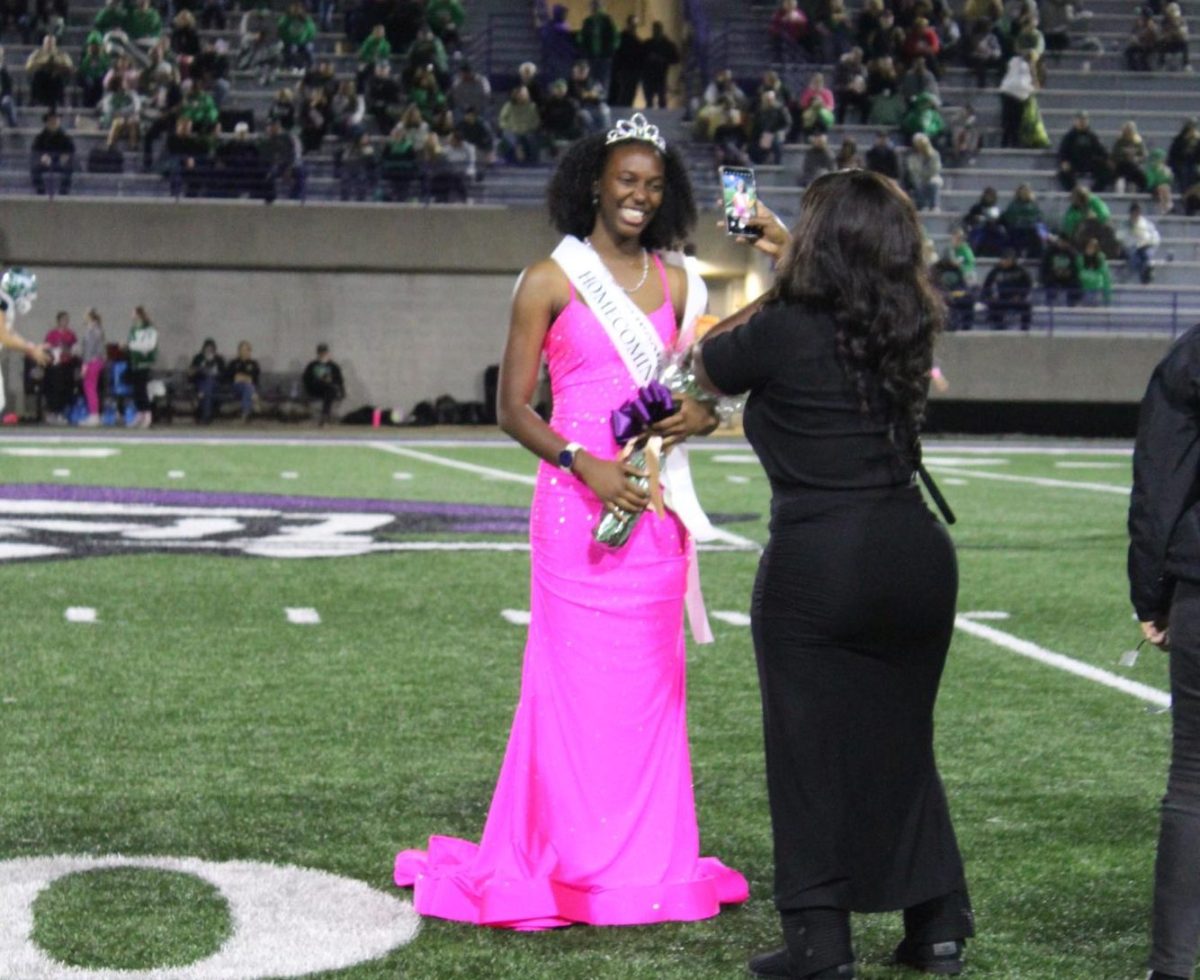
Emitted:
pixel 593 818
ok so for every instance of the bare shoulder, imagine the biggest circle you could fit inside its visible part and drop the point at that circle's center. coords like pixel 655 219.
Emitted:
pixel 543 286
pixel 545 276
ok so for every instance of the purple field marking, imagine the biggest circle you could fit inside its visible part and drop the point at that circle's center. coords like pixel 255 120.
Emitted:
pixel 490 516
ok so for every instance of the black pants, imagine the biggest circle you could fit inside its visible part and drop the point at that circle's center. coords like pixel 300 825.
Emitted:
pixel 1000 310
pixel 1011 110
pixel 59 386
pixel 1176 934
pixel 138 379
pixel 326 393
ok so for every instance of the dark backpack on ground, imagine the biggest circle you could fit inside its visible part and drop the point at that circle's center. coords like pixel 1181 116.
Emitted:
pixel 105 160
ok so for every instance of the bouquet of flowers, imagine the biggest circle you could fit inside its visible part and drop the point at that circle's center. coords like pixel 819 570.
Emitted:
pixel 631 428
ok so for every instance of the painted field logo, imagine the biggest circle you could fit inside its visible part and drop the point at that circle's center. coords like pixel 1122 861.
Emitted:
pixel 287 921
pixel 50 521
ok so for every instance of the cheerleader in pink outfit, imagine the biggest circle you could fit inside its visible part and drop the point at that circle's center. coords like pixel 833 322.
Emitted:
pixel 593 818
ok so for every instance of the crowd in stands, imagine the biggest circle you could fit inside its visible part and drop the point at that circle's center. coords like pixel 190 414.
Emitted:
pixel 91 381
pixel 1072 256
pixel 415 120
pixel 888 63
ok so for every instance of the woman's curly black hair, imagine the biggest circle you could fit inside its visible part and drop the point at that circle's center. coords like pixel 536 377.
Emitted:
pixel 858 251
pixel 569 195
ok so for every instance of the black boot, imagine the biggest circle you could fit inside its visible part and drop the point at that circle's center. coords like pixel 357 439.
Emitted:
pixel 818 947
pixel 945 958
pixel 935 933
pixel 777 965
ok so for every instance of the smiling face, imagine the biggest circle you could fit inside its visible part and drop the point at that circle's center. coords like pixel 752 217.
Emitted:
pixel 630 189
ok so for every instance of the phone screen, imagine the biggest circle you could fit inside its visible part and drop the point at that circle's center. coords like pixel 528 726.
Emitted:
pixel 740 196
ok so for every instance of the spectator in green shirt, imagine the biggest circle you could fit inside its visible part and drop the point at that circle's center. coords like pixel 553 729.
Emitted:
pixel 1094 276
pixel 297 32
pixel 960 251
pixel 142 351
pixel 1084 205
pixel 111 17
pixel 445 19
pixel 200 108
pixel 1024 222
pixel 598 39
pixel 374 49
pixel 93 65
pixel 143 25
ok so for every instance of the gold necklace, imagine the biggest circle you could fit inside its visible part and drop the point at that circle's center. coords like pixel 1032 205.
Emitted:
pixel 645 267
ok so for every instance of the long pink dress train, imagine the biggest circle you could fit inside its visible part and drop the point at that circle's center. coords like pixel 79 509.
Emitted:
pixel 593 818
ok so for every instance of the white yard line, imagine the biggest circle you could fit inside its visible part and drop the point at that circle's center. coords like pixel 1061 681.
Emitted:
pixel 1015 644
pixel 1037 481
pixel 455 464
pixel 719 534
pixel 85 452
pixel 370 436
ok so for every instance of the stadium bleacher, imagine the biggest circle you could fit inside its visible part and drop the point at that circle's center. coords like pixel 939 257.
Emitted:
pixel 1090 75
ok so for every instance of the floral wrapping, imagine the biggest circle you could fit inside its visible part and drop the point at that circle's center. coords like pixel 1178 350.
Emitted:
pixel 631 423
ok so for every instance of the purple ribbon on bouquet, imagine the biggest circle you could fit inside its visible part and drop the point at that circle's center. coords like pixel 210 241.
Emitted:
pixel 653 402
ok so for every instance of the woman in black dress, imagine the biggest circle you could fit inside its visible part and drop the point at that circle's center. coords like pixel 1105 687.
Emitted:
pixel 853 607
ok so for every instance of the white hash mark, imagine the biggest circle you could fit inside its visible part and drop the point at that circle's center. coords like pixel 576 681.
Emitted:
pixel 731 617
pixel 303 615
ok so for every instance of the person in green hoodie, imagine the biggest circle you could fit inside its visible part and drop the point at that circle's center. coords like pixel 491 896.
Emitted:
pixel 961 253
pixel 1084 206
pixel 1159 179
pixel 374 49
pixel 1094 276
pixel 93 65
pixel 446 18
pixel 143 25
pixel 1023 220
pixel 200 108
pixel 111 17
pixel 143 351
pixel 297 33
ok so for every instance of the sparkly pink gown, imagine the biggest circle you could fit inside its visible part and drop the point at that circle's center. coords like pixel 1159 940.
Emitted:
pixel 593 818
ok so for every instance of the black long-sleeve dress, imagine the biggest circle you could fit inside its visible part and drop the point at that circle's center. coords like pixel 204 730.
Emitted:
pixel 852 615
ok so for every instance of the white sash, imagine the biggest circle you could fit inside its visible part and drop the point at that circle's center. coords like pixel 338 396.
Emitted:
pixel 629 329
pixel 642 351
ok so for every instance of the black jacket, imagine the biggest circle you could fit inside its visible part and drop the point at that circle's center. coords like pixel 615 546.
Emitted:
pixel 1007 285
pixel 1164 508
pixel 318 374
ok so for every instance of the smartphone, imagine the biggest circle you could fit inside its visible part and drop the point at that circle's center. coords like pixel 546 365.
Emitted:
pixel 739 194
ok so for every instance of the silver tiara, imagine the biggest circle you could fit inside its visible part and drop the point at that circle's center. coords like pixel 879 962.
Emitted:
pixel 636 127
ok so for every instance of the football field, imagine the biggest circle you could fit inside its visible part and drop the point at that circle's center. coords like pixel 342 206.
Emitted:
pixel 238 674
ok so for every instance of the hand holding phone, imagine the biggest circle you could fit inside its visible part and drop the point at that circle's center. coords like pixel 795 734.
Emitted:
pixel 739 194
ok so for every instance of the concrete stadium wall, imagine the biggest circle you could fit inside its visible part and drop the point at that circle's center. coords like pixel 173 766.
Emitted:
pixel 415 300
pixel 1015 367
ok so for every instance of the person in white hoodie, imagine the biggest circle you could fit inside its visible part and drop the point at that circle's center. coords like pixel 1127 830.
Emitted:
pixel 1016 88
pixel 1140 238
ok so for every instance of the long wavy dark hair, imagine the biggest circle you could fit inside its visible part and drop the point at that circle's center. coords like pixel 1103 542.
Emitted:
pixel 858 252
pixel 569 194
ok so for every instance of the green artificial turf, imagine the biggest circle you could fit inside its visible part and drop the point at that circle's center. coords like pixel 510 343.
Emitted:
pixel 137 918
pixel 193 719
